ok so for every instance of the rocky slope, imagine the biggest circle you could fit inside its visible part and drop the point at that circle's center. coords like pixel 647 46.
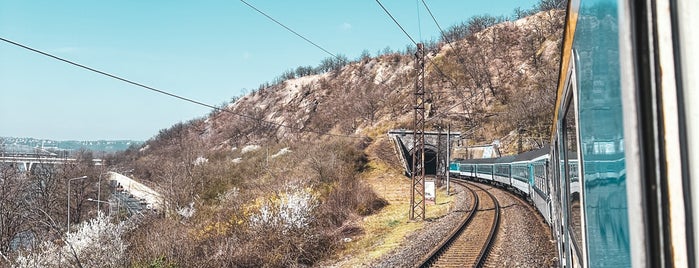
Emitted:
pixel 490 84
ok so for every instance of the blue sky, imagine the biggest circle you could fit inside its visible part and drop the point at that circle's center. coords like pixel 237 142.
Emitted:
pixel 210 51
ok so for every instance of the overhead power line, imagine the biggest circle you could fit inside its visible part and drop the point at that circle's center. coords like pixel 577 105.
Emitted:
pixel 289 29
pixel 163 92
pixel 419 24
pixel 444 35
pixel 394 20
pixel 433 18
pixel 436 67
pixel 434 64
pixel 382 84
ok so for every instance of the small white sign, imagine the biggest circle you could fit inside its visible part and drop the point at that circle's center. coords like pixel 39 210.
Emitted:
pixel 430 195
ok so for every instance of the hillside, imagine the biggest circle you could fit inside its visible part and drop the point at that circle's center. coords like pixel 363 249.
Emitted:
pixel 290 172
pixel 494 75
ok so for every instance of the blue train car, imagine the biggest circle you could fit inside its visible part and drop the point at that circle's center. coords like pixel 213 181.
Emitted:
pixel 522 178
pixel 621 188
pixel 539 186
pixel 483 169
pixel 526 174
pixel 590 212
pixel 502 170
pixel 616 187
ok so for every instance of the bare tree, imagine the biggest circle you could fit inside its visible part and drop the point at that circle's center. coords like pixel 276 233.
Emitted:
pixel 545 5
pixel 48 200
pixel 14 210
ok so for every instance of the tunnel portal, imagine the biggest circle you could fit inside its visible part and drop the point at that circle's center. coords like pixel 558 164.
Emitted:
pixel 430 162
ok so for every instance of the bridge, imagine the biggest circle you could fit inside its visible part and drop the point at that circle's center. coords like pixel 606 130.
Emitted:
pixel 435 149
pixel 25 162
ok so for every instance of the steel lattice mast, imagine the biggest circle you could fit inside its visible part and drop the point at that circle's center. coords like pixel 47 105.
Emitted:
pixel 417 195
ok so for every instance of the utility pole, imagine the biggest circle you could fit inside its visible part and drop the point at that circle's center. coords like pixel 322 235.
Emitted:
pixel 417 194
pixel 439 152
pixel 448 155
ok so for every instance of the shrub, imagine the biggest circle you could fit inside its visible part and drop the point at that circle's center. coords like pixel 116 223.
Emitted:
pixel 96 243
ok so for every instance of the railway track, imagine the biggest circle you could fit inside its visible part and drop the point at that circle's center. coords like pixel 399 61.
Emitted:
pixel 469 244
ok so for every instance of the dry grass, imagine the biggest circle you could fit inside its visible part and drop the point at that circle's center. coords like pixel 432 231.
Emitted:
pixel 387 229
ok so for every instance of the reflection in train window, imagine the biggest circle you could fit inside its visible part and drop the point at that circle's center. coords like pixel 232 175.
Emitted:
pixel 540 176
pixel 573 183
pixel 502 170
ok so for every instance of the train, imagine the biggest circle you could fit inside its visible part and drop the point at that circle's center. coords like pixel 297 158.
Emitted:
pixel 617 184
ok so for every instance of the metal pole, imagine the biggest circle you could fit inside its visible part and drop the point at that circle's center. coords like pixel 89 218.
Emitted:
pixel 99 189
pixel 439 152
pixel 448 155
pixel 68 195
pixel 417 194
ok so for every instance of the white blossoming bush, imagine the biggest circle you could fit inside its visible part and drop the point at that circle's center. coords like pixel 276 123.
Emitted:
pixel 285 232
pixel 96 243
pixel 294 211
pixel 188 211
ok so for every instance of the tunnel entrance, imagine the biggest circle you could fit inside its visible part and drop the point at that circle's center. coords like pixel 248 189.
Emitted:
pixel 430 162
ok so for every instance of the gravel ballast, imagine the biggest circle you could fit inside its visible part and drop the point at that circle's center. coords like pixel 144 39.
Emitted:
pixel 524 239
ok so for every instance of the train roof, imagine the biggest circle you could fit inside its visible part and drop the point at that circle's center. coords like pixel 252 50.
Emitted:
pixel 506 159
pixel 477 161
pixel 526 156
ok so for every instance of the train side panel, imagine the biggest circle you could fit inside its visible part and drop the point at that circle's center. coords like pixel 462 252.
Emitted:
pixel 484 172
pixel 539 192
pixel 466 170
pixel 501 173
pixel 520 177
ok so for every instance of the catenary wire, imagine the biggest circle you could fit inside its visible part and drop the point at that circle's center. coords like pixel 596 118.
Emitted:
pixel 394 20
pixel 304 38
pixel 211 106
pixel 444 35
pixel 289 29
pixel 419 24
pixel 165 92
pixel 332 54
pixel 226 110
pixel 451 80
pixel 444 113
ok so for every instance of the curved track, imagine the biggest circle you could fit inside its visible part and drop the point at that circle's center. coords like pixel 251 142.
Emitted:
pixel 468 245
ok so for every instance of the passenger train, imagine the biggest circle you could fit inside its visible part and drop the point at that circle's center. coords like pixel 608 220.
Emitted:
pixel 618 184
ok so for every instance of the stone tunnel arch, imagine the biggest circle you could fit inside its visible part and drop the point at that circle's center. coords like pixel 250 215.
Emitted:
pixel 403 141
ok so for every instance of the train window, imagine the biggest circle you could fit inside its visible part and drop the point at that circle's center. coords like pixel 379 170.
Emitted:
pixel 573 183
pixel 554 169
pixel 520 172
pixel 542 178
pixel 502 170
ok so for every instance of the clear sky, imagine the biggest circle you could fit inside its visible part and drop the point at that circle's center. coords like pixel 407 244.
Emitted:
pixel 210 51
